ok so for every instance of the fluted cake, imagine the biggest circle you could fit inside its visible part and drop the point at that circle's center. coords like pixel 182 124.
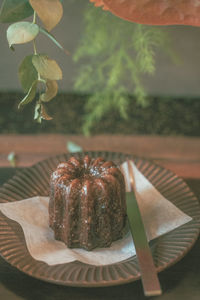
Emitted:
pixel 87 207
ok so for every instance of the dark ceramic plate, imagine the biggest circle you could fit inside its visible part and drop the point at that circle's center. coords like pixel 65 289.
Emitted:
pixel 168 249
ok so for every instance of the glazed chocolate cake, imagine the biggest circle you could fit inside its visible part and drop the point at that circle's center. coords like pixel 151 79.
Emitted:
pixel 87 207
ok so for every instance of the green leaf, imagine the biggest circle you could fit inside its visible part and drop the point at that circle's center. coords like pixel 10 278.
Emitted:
pixel 50 36
pixel 72 147
pixel 51 91
pixel 12 158
pixel 37 115
pixel 15 10
pixel 21 32
pixel 49 11
pixel 27 73
pixel 30 95
pixel 46 67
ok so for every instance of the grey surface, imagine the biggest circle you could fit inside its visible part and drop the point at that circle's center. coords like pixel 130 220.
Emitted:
pixel 170 79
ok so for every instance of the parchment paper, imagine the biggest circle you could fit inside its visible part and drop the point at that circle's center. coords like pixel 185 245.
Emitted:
pixel 159 215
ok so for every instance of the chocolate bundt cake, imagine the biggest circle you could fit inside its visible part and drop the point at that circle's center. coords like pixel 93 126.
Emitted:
pixel 87 207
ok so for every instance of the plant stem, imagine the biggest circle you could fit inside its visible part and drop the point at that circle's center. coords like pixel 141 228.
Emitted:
pixel 34 22
pixel 34 47
pixel 34 17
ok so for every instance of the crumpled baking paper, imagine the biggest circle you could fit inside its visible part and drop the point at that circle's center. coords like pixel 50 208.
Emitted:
pixel 159 216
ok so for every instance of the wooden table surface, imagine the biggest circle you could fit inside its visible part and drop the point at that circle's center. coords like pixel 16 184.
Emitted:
pixel 179 154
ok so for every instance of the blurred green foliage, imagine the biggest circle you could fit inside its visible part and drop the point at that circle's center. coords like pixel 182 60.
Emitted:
pixel 113 54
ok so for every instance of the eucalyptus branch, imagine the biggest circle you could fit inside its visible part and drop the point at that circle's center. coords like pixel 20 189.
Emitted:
pixel 36 68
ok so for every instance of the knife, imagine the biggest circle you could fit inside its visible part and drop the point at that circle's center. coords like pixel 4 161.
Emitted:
pixel 150 281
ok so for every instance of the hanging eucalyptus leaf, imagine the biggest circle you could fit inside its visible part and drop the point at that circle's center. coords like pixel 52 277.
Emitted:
pixel 37 115
pixel 51 37
pixel 27 73
pixel 51 91
pixel 30 95
pixel 21 32
pixel 49 11
pixel 44 113
pixel 15 10
pixel 46 67
pixel 41 113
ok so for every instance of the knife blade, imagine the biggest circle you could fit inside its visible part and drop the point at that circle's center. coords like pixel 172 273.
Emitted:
pixel 150 281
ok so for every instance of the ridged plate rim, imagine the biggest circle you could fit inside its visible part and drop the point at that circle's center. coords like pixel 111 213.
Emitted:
pixel 167 249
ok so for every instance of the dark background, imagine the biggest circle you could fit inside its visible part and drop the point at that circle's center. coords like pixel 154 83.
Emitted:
pixel 163 116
